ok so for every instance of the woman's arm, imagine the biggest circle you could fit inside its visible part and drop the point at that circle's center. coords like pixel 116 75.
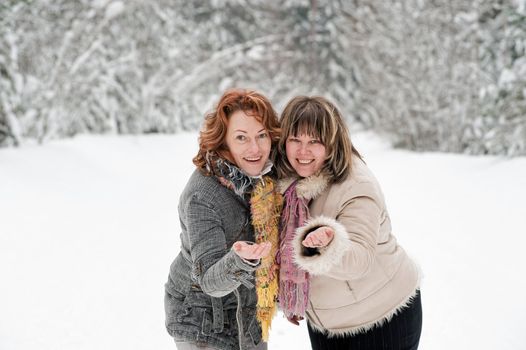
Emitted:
pixel 351 252
pixel 216 267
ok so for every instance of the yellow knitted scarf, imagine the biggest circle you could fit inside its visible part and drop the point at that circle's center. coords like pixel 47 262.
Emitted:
pixel 265 205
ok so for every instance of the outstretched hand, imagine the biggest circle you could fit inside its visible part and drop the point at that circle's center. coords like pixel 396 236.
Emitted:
pixel 319 238
pixel 252 251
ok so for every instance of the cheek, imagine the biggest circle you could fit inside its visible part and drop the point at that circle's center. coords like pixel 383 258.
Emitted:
pixel 321 155
pixel 229 142
pixel 289 150
pixel 233 148
pixel 267 146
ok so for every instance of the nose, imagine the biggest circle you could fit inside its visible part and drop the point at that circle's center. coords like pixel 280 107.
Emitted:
pixel 253 147
pixel 303 148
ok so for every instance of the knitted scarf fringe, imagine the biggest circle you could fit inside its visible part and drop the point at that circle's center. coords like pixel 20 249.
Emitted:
pixel 294 282
pixel 265 206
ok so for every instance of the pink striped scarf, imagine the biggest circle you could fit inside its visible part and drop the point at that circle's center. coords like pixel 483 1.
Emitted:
pixel 293 281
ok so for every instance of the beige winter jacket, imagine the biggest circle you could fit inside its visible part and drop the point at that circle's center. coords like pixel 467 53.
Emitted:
pixel 363 277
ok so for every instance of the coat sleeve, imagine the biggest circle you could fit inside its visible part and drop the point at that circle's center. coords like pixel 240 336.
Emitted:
pixel 217 268
pixel 351 253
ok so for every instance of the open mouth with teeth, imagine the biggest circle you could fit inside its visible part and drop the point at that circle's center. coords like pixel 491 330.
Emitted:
pixel 305 161
pixel 252 159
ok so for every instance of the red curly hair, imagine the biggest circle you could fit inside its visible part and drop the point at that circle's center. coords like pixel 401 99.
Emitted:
pixel 213 133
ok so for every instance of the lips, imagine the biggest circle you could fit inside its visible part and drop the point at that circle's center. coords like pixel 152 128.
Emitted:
pixel 305 161
pixel 252 159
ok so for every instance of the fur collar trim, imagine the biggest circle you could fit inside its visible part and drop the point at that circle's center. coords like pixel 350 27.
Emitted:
pixel 308 187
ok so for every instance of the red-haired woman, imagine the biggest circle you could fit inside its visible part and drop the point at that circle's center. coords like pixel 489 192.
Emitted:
pixel 229 212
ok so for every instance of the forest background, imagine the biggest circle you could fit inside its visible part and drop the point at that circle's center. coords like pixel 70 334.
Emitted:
pixel 442 75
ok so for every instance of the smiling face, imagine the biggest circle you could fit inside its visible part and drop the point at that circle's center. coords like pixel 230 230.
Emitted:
pixel 306 154
pixel 248 142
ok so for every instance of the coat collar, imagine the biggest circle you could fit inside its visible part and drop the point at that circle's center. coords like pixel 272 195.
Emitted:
pixel 308 187
pixel 235 178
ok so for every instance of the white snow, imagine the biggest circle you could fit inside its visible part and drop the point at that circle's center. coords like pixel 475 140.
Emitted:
pixel 521 6
pixel 88 228
pixel 506 77
pixel 114 9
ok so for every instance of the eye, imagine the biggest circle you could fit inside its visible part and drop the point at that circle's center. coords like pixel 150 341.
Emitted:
pixel 314 142
pixel 240 137
pixel 263 135
pixel 293 139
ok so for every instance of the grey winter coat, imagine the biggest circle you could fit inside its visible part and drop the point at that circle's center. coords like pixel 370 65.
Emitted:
pixel 207 279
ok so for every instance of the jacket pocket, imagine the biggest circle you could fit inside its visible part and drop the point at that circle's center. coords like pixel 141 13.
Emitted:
pixel 327 293
pixel 370 284
pixel 173 307
pixel 204 311
pixel 206 323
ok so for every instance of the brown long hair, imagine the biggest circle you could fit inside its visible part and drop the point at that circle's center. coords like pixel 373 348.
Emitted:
pixel 213 133
pixel 316 117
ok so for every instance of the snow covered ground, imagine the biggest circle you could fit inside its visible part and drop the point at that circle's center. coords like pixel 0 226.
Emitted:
pixel 88 228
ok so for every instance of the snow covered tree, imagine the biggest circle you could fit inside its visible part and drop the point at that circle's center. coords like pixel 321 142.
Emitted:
pixel 420 74
pixel 501 125
pixel 11 79
pixel 439 75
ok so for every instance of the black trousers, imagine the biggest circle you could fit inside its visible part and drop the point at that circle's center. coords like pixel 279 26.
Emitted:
pixel 402 332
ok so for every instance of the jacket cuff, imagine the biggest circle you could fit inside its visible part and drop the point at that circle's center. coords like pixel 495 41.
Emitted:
pixel 319 261
pixel 242 264
pixel 240 269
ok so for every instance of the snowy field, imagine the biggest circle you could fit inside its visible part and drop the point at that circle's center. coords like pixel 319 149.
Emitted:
pixel 88 228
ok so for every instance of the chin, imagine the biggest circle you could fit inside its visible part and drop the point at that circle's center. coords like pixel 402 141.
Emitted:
pixel 252 171
pixel 304 173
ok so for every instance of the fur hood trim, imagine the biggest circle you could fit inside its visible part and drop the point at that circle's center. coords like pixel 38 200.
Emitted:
pixel 308 187
pixel 328 256
pixel 344 332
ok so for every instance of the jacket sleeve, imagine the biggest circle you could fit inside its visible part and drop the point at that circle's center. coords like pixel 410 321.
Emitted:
pixel 217 269
pixel 351 253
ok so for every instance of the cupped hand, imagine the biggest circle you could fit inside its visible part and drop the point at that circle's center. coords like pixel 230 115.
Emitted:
pixel 318 238
pixel 252 251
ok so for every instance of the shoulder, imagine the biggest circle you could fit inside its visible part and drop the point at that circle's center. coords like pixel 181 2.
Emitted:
pixel 205 189
pixel 360 172
pixel 361 182
pixel 309 188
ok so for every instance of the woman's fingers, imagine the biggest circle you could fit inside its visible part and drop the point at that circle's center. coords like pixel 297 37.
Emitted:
pixel 319 237
pixel 329 234
pixel 311 240
pixel 262 250
pixel 307 242
pixel 243 249
pixel 251 251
